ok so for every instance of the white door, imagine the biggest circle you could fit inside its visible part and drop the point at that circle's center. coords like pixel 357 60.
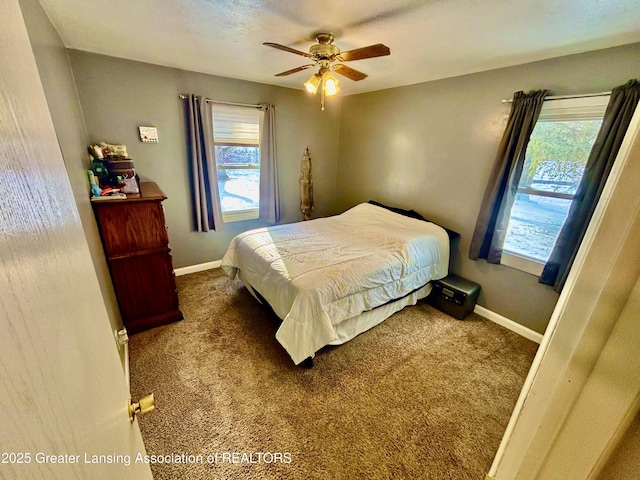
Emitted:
pixel 63 396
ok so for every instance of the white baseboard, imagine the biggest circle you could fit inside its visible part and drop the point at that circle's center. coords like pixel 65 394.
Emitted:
pixel 196 268
pixel 508 324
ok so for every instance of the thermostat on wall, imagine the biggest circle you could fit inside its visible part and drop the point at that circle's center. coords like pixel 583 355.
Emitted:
pixel 148 134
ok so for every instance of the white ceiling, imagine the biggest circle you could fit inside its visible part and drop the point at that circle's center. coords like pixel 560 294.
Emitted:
pixel 429 39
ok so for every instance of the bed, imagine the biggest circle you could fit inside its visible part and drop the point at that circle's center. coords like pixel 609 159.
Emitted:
pixel 330 279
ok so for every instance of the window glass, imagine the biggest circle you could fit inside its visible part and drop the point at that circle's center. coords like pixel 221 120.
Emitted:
pixel 238 177
pixel 534 226
pixel 554 164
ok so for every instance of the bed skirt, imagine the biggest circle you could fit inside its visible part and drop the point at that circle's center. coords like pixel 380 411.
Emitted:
pixel 354 326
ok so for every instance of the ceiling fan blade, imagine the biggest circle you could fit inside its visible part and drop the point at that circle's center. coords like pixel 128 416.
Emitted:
pixel 349 72
pixel 294 70
pixel 377 50
pixel 286 49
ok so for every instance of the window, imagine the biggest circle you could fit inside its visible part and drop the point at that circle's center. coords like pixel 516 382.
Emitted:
pixel 237 149
pixel 555 159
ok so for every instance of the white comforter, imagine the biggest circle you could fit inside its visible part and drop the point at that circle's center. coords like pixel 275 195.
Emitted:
pixel 320 273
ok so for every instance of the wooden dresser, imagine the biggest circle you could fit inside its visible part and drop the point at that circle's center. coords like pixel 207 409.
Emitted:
pixel 136 244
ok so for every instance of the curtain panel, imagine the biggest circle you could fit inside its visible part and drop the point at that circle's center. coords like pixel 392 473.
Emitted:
pixel 617 117
pixel 491 227
pixel 269 209
pixel 203 170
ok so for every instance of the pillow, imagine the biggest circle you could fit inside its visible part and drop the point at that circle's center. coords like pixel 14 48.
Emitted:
pixel 406 213
pixel 414 214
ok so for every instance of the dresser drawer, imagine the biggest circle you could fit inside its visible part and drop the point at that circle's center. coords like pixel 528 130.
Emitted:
pixel 131 227
pixel 145 286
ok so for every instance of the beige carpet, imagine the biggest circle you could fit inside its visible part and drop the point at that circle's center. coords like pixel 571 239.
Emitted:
pixel 421 396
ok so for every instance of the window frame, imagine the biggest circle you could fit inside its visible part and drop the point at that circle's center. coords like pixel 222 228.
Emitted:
pixel 247 213
pixel 556 110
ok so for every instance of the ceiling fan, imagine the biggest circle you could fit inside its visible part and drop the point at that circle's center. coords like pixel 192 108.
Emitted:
pixel 328 57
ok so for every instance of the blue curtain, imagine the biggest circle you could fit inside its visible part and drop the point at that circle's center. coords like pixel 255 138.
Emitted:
pixel 269 210
pixel 204 174
pixel 493 219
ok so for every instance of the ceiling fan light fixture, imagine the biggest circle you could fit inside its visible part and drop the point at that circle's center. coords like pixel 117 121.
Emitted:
pixel 313 83
pixel 329 84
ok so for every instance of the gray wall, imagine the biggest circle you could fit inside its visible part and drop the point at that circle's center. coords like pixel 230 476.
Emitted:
pixel 119 95
pixel 59 87
pixel 431 147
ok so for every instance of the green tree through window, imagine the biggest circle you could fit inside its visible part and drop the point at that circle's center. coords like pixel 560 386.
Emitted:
pixel 564 144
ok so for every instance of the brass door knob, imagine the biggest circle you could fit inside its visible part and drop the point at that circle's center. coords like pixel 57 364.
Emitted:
pixel 144 405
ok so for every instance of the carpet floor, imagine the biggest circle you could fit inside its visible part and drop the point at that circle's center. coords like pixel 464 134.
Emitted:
pixel 420 396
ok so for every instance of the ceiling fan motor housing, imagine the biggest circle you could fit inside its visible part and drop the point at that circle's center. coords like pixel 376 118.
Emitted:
pixel 324 51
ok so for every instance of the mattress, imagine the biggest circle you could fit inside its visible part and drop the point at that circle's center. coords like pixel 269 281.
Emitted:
pixel 326 278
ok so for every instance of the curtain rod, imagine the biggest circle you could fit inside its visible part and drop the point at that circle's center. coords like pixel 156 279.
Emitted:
pixel 562 97
pixel 184 97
